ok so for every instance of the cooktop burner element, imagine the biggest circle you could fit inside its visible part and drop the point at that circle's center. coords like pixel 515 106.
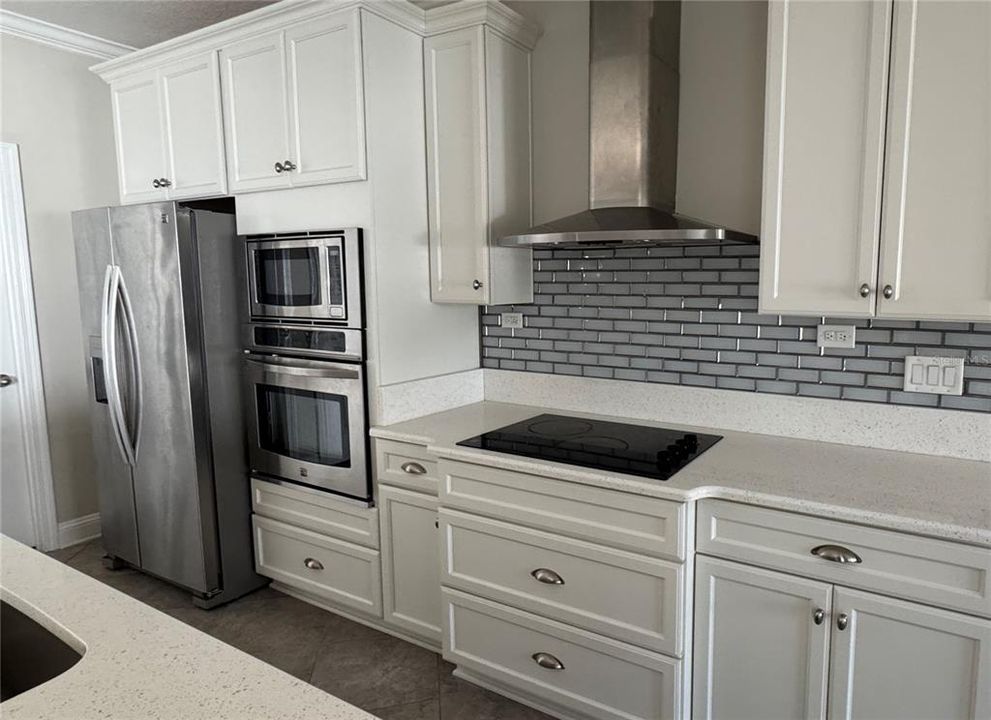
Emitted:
pixel 651 452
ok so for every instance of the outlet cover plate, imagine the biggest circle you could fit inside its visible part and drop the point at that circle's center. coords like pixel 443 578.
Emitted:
pixel 937 375
pixel 836 336
pixel 512 320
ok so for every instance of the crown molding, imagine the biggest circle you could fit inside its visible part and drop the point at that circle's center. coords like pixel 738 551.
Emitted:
pixel 492 13
pixel 63 38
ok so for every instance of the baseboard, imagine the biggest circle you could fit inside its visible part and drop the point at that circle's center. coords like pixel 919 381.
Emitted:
pixel 78 530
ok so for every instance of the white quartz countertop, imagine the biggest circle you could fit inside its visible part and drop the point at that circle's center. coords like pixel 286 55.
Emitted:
pixel 138 662
pixel 925 494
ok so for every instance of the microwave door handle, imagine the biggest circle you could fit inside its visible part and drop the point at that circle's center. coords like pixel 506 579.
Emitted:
pixel 302 367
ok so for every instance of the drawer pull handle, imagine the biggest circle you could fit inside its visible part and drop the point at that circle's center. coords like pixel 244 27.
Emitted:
pixel 818 616
pixel 546 660
pixel 313 564
pixel 548 577
pixel 836 553
pixel 414 468
pixel 842 620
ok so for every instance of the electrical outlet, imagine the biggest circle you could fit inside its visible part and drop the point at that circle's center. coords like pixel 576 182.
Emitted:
pixel 836 336
pixel 511 320
pixel 937 375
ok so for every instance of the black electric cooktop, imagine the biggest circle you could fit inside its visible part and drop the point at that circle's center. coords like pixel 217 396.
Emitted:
pixel 650 452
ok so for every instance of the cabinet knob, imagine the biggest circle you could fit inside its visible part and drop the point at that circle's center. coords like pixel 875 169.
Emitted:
pixel 836 553
pixel 165 182
pixel 476 284
pixel 546 576
pixel 546 660
pixel 888 292
pixel 279 167
pixel 288 165
pixel 818 616
pixel 842 620
pixel 156 183
pixel 6 380
pixel 865 290
pixel 413 468
pixel 313 564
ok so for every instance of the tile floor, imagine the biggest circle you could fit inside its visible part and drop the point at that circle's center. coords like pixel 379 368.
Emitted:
pixel 377 672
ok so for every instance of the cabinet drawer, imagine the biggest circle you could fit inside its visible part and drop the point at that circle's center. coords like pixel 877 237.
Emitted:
pixel 316 510
pixel 937 572
pixel 628 597
pixel 406 465
pixel 623 520
pixel 600 678
pixel 342 573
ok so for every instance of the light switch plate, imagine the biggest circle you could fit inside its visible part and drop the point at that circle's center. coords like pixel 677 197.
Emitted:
pixel 937 375
pixel 512 320
pixel 836 336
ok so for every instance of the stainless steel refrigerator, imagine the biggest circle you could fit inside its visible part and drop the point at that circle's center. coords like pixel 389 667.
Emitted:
pixel 161 300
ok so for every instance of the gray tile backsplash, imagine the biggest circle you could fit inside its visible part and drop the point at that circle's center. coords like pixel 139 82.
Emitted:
pixel 689 316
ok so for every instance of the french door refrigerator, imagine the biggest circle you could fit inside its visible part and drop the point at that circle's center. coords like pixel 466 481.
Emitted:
pixel 161 306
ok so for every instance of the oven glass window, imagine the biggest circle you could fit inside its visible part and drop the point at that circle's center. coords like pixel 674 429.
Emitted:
pixel 288 276
pixel 304 425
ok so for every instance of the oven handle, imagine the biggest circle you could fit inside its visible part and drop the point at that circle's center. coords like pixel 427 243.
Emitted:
pixel 305 368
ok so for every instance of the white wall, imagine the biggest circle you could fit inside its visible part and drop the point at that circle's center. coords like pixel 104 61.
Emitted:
pixel 59 114
pixel 721 112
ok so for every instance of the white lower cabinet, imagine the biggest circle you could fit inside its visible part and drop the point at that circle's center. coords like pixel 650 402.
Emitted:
pixel 410 562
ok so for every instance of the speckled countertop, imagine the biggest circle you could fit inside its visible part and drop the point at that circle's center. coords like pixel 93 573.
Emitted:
pixel 138 662
pixel 925 494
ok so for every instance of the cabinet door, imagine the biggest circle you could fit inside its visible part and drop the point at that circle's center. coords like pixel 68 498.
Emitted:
pixel 411 562
pixel 138 130
pixel 824 119
pixel 457 170
pixel 936 251
pixel 759 653
pixel 326 99
pixel 194 129
pixel 898 660
pixel 255 125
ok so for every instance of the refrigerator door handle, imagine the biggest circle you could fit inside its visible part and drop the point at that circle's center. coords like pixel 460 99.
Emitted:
pixel 111 294
pixel 135 363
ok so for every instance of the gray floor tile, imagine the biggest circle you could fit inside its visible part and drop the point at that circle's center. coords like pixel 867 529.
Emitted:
pixel 426 710
pixel 377 673
pixel 460 700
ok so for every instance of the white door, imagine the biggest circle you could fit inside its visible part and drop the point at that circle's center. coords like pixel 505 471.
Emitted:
pixel 326 99
pixel 194 128
pixel 761 648
pixel 256 129
pixel 410 562
pixel 27 502
pixel 141 161
pixel 896 660
pixel 823 152
pixel 936 231
pixel 457 171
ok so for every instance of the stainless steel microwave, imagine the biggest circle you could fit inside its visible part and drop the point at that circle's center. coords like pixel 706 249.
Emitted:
pixel 311 276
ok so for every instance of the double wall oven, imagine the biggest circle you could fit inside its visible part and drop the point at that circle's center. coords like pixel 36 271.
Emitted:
pixel 304 361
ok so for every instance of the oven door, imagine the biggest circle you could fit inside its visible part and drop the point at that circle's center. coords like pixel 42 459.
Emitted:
pixel 298 279
pixel 307 422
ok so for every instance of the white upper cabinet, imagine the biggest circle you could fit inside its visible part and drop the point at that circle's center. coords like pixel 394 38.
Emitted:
pixel 873 105
pixel 194 140
pixel 294 105
pixel 140 139
pixel 326 102
pixel 823 153
pixel 936 225
pixel 477 84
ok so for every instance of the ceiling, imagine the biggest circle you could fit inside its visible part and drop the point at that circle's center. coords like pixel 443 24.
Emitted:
pixel 138 23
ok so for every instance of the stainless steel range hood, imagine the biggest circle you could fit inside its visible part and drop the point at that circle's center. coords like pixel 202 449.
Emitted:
pixel 634 52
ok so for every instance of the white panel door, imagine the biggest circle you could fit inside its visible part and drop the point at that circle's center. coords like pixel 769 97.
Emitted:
pixel 411 562
pixel 457 167
pixel 936 229
pixel 141 161
pixel 194 128
pixel 896 660
pixel 255 113
pixel 759 652
pixel 326 99
pixel 823 151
